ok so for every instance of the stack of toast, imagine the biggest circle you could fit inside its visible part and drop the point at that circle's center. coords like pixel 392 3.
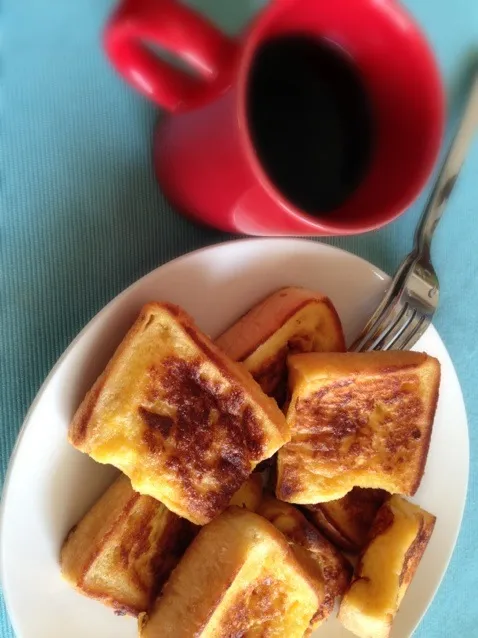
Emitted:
pixel 193 537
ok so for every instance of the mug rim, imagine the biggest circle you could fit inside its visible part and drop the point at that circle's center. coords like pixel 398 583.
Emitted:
pixel 328 224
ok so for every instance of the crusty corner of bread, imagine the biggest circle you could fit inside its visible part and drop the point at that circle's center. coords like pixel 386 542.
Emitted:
pixel 416 549
pixel 78 429
pixel 434 392
pixel 397 541
pixel 143 619
pixel 327 568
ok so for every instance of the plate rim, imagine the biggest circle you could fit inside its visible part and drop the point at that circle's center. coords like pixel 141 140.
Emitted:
pixel 184 257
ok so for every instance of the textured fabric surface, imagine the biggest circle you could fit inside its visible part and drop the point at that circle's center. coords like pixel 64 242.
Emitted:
pixel 82 218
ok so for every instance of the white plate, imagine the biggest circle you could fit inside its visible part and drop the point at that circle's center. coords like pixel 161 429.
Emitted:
pixel 50 485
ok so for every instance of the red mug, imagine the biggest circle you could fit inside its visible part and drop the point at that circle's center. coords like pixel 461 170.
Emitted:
pixel 205 158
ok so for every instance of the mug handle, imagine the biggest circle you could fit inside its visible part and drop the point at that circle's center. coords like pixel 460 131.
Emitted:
pixel 178 30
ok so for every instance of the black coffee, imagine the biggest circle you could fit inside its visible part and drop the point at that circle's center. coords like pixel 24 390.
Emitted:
pixel 310 121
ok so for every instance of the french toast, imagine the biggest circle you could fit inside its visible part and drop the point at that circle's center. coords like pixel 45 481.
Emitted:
pixel 124 549
pixel 317 555
pixel 249 495
pixel 239 577
pixel 397 541
pixel 357 419
pixel 290 320
pixel 347 521
pixel 175 414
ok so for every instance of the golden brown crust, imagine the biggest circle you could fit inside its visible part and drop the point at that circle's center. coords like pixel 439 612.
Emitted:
pixel 397 541
pixel 291 320
pixel 274 312
pixel 255 584
pixel 347 521
pixel 175 414
pixel 86 411
pixel 320 519
pixel 415 552
pixel 327 567
pixel 271 375
pixel 357 419
pixel 124 549
pixel 430 415
pixel 192 397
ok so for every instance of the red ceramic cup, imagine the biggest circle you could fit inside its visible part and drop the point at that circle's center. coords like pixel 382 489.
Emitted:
pixel 204 156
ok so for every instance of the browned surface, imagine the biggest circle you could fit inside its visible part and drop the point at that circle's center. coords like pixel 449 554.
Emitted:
pixel 259 331
pixel 416 551
pixel 383 520
pixel 347 521
pixel 266 598
pixel 362 417
pixel 271 375
pixel 79 434
pixel 124 549
pixel 302 342
pixel 191 436
pixel 389 536
pixel 171 410
pixel 328 569
pixel 241 340
pixel 255 585
pixel 160 422
pixel 342 409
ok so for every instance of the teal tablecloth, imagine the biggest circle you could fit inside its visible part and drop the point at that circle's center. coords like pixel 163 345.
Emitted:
pixel 82 217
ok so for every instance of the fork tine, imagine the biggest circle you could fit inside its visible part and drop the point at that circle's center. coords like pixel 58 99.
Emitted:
pixel 385 315
pixel 380 317
pixel 413 334
pixel 388 339
pixel 371 331
pixel 382 328
pixel 387 332
pixel 391 342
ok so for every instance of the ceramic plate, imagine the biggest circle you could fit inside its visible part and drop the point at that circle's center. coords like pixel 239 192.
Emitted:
pixel 50 485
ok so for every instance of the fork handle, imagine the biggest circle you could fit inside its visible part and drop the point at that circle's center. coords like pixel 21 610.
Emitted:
pixel 448 173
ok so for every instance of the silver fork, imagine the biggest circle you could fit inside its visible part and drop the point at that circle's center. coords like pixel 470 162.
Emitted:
pixel 410 303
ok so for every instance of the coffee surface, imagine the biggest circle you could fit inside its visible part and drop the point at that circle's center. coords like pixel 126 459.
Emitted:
pixel 310 121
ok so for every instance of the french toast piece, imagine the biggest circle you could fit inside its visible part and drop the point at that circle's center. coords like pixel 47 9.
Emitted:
pixel 357 419
pixel 347 521
pixel 185 423
pixel 290 320
pixel 317 555
pixel 238 578
pixel 124 549
pixel 249 495
pixel 397 541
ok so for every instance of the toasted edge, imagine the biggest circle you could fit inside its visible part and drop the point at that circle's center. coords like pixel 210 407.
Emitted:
pixel 233 512
pixel 232 371
pixel 383 521
pixel 381 362
pixel 292 300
